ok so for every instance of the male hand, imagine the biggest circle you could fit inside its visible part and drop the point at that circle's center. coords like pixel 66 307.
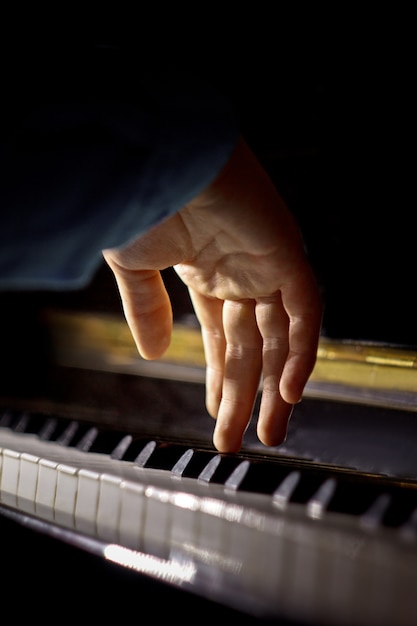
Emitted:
pixel 240 252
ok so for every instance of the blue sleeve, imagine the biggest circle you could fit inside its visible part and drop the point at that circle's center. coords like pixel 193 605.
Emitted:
pixel 93 154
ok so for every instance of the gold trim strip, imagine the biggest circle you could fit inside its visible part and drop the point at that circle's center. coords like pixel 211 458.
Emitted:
pixel 370 373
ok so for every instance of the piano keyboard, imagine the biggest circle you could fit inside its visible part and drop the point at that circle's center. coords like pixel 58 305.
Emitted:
pixel 256 536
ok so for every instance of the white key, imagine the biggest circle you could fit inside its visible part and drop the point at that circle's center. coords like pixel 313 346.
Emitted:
pixel 213 528
pixel 66 495
pixel 46 489
pixel 243 529
pixel 28 482
pixel 185 515
pixel 1 465
pixel 87 501
pixel 9 477
pixel 132 510
pixel 108 510
pixel 157 521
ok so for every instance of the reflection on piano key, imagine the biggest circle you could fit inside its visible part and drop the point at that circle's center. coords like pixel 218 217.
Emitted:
pixel 304 562
pixel 212 536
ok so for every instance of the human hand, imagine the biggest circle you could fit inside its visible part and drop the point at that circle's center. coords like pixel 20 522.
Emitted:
pixel 240 252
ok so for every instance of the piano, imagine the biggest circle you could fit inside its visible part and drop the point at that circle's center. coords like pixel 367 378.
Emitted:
pixel 113 501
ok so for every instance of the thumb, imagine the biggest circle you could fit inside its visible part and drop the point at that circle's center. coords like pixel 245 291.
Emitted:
pixel 147 308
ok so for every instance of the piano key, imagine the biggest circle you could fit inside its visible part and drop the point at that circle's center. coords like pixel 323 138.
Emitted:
pixel 284 491
pixel 207 473
pixel 236 477
pixel 67 434
pixel 373 517
pixel 87 439
pixel 229 545
pixel 46 489
pixel 21 423
pixel 108 508
pixel 132 514
pixel 182 463
pixel 156 530
pixel 409 528
pixel 240 535
pixel 87 501
pixel 9 477
pixel 305 568
pixel 66 495
pixel 28 482
pixel 119 451
pixel 184 525
pixel 144 455
pixel 212 536
pixel 48 428
pixel 319 502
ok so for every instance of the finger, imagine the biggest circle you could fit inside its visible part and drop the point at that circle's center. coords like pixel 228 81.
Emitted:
pixel 304 308
pixel 274 412
pixel 147 309
pixel 243 364
pixel 209 312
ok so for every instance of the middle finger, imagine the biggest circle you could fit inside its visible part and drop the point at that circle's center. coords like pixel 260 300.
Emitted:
pixel 242 371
